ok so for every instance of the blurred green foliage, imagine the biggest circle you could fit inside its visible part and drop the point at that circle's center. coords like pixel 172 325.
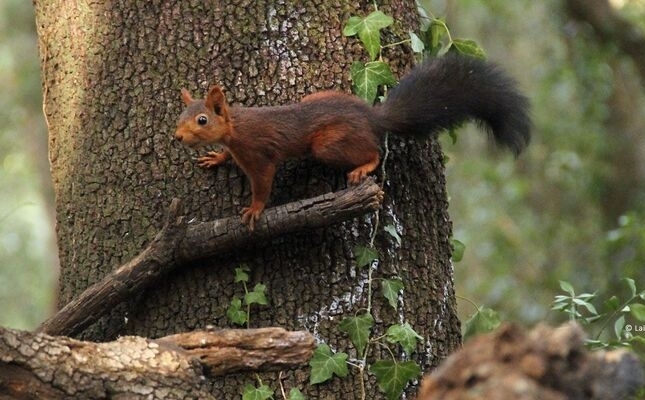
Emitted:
pixel 28 264
pixel 549 215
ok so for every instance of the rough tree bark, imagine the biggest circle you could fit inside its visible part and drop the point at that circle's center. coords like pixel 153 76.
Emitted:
pixel 111 78
pixel 545 363
pixel 178 244
pixel 40 366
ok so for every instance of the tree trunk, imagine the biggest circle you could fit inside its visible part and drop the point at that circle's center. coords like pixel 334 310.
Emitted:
pixel 111 78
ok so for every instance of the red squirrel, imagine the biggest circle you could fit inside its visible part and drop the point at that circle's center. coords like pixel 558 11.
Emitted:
pixel 342 130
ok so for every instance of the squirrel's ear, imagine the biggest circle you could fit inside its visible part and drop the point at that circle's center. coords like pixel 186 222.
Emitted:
pixel 216 101
pixel 185 96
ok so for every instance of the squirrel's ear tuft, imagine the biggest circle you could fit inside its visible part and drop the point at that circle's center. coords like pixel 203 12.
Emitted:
pixel 186 97
pixel 216 101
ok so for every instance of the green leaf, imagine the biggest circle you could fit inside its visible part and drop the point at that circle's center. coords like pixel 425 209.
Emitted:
pixel 392 377
pixel 638 311
pixel 595 318
pixel 416 43
pixel 619 325
pixel 452 134
pixel 469 48
pixel 241 274
pixel 482 321
pixel 352 26
pixel 403 335
pixel 391 289
pixel 262 392
pixel 235 313
pixel 324 364
pixel 391 229
pixel 438 29
pixel 638 339
pixel 256 296
pixel 613 303
pixel 378 20
pixel 368 30
pixel 366 78
pixel 590 307
pixel 632 286
pixel 358 329
pixel 566 286
pixel 296 394
pixel 364 256
pixel 458 250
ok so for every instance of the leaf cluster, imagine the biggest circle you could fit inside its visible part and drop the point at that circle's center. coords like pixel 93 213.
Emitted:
pixel 239 311
pixel 367 77
pixel 392 375
pixel 627 315
pixel 433 40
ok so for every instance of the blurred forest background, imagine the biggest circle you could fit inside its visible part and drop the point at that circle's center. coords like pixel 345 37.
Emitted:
pixel 570 208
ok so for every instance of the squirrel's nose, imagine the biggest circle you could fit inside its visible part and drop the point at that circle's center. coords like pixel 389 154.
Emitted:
pixel 178 138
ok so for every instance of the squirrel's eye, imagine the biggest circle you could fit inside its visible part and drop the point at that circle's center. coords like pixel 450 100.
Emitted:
pixel 202 120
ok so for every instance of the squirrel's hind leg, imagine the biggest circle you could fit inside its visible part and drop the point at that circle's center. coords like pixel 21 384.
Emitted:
pixel 348 146
pixel 359 173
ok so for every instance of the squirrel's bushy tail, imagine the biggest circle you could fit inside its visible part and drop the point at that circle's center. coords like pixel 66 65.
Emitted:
pixel 441 93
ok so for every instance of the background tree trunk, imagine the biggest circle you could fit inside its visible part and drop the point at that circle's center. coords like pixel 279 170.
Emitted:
pixel 624 123
pixel 111 78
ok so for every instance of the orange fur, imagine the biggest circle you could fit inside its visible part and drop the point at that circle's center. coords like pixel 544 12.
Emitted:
pixel 326 94
pixel 341 129
pixel 333 127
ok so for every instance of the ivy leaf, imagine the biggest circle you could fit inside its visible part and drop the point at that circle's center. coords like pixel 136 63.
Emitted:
pixel 366 78
pixel 324 364
pixel 392 376
pixel 404 335
pixel 358 329
pixel 352 26
pixel 262 392
pixel 416 43
pixel 482 321
pixel 364 256
pixel 235 313
pixel 241 273
pixel 296 394
pixel 469 48
pixel 256 296
pixel 391 229
pixel 368 30
pixel 391 289
pixel 438 29
pixel 458 250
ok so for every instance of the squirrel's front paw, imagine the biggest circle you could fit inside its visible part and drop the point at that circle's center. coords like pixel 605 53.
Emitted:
pixel 211 159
